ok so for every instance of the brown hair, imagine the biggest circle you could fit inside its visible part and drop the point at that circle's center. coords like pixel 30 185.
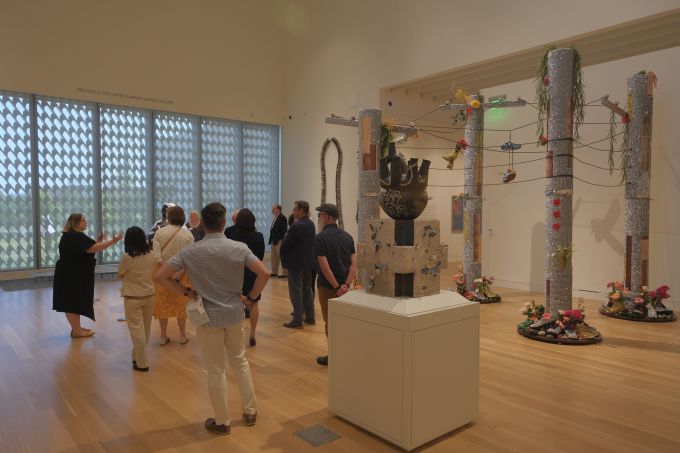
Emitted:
pixel 73 222
pixel 213 215
pixel 176 216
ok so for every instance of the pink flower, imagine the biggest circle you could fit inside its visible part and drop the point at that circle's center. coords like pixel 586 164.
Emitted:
pixel 543 139
pixel 618 286
pixel 626 291
pixel 615 296
pixel 610 284
pixel 652 294
pixel 546 315
pixel 639 300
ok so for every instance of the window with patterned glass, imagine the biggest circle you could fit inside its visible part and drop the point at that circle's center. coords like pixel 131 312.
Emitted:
pixel 261 172
pixel 175 151
pixel 16 187
pixel 124 135
pixel 221 162
pixel 65 169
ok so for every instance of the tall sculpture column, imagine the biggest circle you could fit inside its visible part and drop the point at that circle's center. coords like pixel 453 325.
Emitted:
pixel 369 181
pixel 637 179
pixel 559 181
pixel 472 203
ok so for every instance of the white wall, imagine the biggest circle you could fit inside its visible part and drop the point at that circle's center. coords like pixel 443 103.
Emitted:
pixel 220 58
pixel 346 51
pixel 514 252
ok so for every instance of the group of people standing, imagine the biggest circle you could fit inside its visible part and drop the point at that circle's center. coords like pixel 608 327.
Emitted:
pixel 177 262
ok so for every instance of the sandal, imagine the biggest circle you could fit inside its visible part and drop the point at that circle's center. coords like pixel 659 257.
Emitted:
pixel 164 341
pixel 88 333
pixel 183 340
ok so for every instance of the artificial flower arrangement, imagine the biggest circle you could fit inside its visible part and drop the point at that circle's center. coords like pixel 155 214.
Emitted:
pixel 617 296
pixel 482 292
pixel 460 281
pixel 563 326
pixel 646 306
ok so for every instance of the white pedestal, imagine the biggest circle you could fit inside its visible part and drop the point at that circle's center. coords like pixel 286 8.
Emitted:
pixel 405 369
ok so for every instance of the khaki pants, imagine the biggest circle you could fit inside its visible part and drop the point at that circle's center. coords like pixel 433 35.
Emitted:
pixel 213 342
pixel 276 259
pixel 324 295
pixel 138 313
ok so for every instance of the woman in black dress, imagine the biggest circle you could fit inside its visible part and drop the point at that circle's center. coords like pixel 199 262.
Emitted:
pixel 246 233
pixel 73 291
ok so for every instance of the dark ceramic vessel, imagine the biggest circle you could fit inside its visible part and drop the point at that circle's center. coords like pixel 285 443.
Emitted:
pixel 404 186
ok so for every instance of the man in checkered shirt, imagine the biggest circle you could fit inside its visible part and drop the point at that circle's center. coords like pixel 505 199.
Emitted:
pixel 215 267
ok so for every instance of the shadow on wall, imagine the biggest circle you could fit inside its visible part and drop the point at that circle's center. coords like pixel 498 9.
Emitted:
pixel 602 228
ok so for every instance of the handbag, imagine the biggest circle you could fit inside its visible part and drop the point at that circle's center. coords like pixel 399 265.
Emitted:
pixel 196 312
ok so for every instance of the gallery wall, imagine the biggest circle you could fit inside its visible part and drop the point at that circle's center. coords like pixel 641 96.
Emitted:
pixel 339 61
pixel 219 58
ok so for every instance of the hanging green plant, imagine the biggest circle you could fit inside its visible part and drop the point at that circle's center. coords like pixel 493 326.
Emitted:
pixel 577 95
pixel 612 135
pixel 385 139
pixel 542 82
pixel 625 142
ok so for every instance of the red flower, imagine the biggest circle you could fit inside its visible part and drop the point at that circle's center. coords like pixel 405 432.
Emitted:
pixel 662 292
pixel 556 226
pixel 468 111
pixel 543 140
pixel 556 214
pixel 546 80
pixel 556 201
pixel 463 143
pixel 652 294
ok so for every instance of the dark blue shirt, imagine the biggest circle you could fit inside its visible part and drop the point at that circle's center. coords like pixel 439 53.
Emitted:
pixel 338 247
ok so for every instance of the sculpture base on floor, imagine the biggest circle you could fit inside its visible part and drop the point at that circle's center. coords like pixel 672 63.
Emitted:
pixel 566 341
pixel 628 316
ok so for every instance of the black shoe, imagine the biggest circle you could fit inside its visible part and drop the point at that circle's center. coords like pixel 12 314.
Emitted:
pixel 323 360
pixel 311 322
pixel 213 427
pixel 137 368
pixel 273 275
pixel 292 325
pixel 283 276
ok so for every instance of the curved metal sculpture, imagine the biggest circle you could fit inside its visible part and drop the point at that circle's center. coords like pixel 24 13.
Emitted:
pixel 404 194
pixel 338 173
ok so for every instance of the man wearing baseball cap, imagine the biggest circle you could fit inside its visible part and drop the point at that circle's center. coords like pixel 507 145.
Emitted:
pixel 337 261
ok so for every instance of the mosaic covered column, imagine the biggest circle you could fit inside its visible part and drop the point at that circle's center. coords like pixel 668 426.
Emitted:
pixel 472 202
pixel 369 156
pixel 559 182
pixel 638 175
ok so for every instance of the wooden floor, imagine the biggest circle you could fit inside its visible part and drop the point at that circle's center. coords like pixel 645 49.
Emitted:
pixel 59 394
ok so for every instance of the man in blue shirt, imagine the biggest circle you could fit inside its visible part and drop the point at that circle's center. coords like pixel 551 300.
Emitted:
pixel 337 261
pixel 297 255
